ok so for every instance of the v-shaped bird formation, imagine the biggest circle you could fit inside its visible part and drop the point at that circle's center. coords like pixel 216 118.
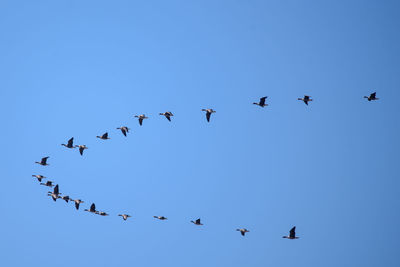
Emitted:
pixel 55 194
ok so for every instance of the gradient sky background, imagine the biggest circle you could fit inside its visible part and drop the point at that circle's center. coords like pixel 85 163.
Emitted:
pixel 81 68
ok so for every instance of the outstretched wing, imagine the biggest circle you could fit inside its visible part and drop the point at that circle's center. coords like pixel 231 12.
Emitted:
pixel 373 95
pixel 262 100
pixel 292 233
pixel 56 190
pixel 140 121
pixel 105 136
pixel 70 142
pixel 44 160
pixel 77 205
pixel 198 221
pixel 123 131
pixel 93 207
pixel 81 150
pixel 208 115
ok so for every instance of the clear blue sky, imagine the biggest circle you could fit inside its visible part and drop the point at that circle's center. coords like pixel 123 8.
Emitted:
pixel 81 68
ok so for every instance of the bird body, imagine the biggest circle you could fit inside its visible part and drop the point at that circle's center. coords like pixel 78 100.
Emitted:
pixel 124 216
pixel 81 149
pixel 262 102
pixel 208 111
pixel 243 231
pixel 66 198
pixel 141 118
pixel 167 115
pixel 305 99
pixel 102 213
pixel 160 217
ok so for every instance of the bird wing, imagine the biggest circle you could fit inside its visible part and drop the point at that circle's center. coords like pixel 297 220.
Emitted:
pixel 262 100
pixel 44 160
pixel 105 136
pixel 306 98
pixel 168 117
pixel 198 221
pixel 93 207
pixel 373 95
pixel 292 233
pixel 56 190
pixel 208 115
pixel 140 121
pixel 77 205
pixel 81 150
pixel 70 142
pixel 123 131
pixel 243 233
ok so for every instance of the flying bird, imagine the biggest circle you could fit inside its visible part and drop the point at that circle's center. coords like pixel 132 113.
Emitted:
pixel 124 130
pixel 70 143
pixel 141 118
pixel 243 231
pixel 167 115
pixel 103 137
pixel 54 194
pixel 262 102
pixel 43 162
pixel 82 148
pixel 77 202
pixel 208 111
pixel 92 209
pixel 66 198
pixel 292 234
pixel 197 222
pixel 306 99
pixel 160 217
pixel 124 216
pixel 39 177
pixel 102 213
pixel 371 97
pixel 48 183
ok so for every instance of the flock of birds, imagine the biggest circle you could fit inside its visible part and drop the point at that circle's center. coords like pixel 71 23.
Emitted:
pixel 55 194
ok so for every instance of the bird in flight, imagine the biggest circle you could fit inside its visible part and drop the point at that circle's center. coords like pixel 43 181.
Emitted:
pixel 243 231
pixel 197 222
pixel 292 234
pixel 48 183
pixel 306 99
pixel 124 130
pixel 167 115
pixel 92 209
pixel 54 194
pixel 70 143
pixel 77 202
pixel 43 162
pixel 262 102
pixel 124 216
pixel 103 137
pixel 371 97
pixel 141 118
pixel 39 177
pixel 162 218
pixel 82 148
pixel 208 111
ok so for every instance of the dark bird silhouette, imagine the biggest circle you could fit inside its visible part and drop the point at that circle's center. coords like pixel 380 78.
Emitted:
pixel 292 234
pixel 55 193
pixel 124 216
pixel 243 231
pixel 124 130
pixel 70 143
pixel 371 97
pixel 141 118
pixel 77 202
pixel 43 162
pixel 92 208
pixel 48 183
pixel 102 213
pixel 39 177
pixel 208 111
pixel 82 148
pixel 262 102
pixel 103 137
pixel 65 198
pixel 160 217
pixel 167 115
pixel 306 99
pixel 197 222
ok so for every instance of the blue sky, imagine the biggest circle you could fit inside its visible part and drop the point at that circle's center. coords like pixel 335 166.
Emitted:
pixel 81 68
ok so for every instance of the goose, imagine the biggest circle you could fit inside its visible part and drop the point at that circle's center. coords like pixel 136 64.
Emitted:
pixel 92 208
pixel 243 231
pixel 167 115
pixel 82 148
pixel 103 137
pixel 306 98
pixel 262 102
pixel 371 97
pixel 208 111
pixel 77 202
pixel 197 222
pixel 124 216
pixel 48 183
pixel 54 194
pixel 124 130
pixel 66 198
pixel 141 118
pixel 70 143
pixel 160 218
pixel 39 177
pixel 292 234
pixel 102 213
pixel 43 162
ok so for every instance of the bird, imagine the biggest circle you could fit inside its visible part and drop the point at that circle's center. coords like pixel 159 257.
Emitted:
pixel 66 198
pixel 103 137
pixel 81 149
pixel 54 194
pixel 208 111
pixel 371 97
pixel 124 216
pixel 43 162
pixel 306 98
pixel 243 231
pixel 48 183
pixel 262 102
pixel 167 115
pixel 292 234
pixel 197 222
pixel 124 130
pixel 160 218
pixel 77 202
pixel 102 213
pixel 141 118
pixel 39 177
pixel 70 143
pixel 92 209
